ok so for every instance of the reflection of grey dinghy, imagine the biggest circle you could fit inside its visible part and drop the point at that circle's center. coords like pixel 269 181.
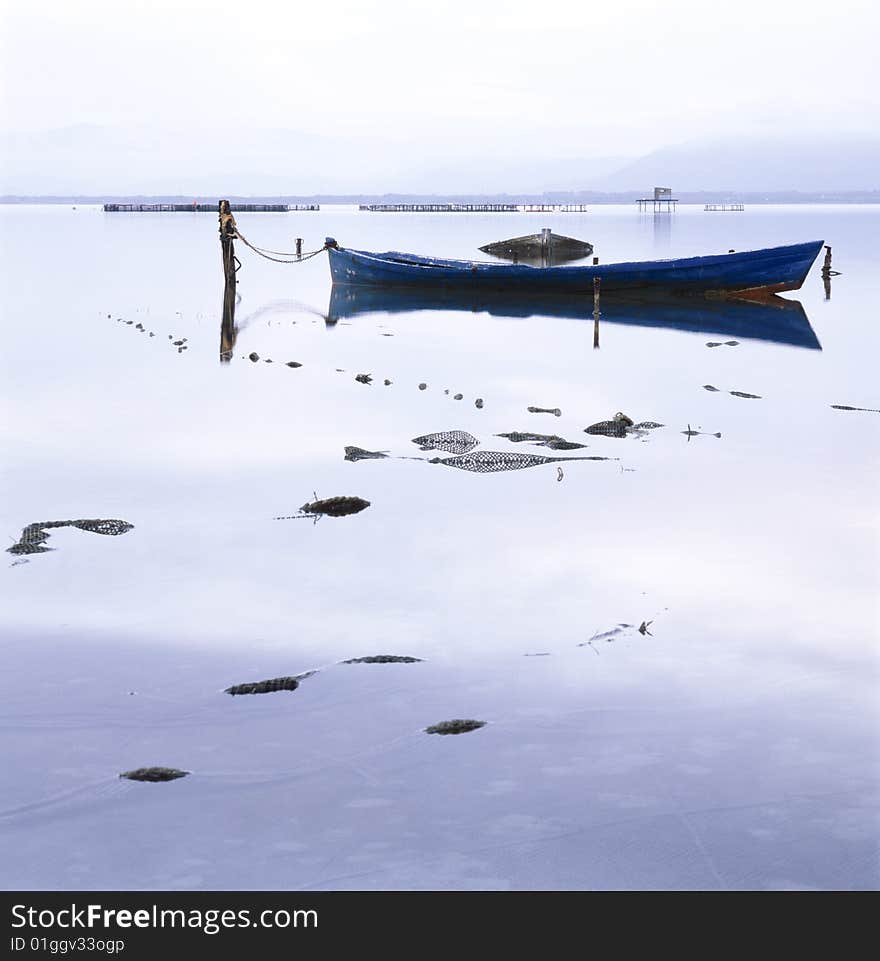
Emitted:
pixel 775 319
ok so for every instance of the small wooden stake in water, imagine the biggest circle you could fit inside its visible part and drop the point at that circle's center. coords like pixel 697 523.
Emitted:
pixel 299 248
pixel 596 283
pixel 826 267
pixel 827 272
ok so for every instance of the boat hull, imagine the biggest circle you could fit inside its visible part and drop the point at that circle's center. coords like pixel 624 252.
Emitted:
pixel 747 273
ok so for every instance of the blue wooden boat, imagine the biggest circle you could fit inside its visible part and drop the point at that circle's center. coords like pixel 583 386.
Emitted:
pixel 772 319
pixel 752 273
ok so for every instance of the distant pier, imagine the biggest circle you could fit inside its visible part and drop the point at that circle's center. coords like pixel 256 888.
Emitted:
pixel 473 208
pixel 554 208
pixel 439 208
pixel 205 208
pixel 724 207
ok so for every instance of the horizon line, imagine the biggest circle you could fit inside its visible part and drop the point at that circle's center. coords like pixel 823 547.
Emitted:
pixel 870 195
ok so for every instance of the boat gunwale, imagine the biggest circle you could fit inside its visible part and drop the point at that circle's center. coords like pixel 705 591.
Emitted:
pixel 427 263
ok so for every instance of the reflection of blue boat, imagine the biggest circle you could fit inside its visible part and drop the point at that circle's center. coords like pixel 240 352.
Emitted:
pixel 753 272
pixel 773 318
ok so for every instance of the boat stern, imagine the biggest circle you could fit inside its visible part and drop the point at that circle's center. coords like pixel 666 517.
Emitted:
pixel 787 270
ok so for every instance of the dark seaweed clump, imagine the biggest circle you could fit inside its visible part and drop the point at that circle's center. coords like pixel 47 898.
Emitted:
pixel 154 774
pixel 555 411
pixel 383 659
pixel 457 726
pixel 336 506
pixel 265 687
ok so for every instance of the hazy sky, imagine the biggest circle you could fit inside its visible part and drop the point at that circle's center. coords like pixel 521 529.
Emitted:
pixel 396 84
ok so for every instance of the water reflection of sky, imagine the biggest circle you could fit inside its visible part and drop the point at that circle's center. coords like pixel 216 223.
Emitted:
pixel 742 734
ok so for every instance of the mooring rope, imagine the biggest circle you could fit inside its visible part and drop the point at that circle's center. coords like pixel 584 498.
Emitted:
pixel 263 252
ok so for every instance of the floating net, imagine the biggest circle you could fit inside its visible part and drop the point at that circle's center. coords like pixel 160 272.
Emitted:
pixel 520 436
pixel 358 453
pixel 34 536
pixel 451 441
pixel 490 461
pixel 609 428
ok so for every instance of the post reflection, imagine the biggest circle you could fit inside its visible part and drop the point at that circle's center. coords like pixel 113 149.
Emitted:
pixel 662 230
pixel 228 330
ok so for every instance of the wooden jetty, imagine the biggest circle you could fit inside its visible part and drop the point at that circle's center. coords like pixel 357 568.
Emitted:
pixel 439 208
pixel 661 202
pixel 554 208
pixel 724 207
pixel 198 208
pixel 474 208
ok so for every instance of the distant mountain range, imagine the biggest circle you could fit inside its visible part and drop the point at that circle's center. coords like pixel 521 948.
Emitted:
pixel 848 164
pixel 94 161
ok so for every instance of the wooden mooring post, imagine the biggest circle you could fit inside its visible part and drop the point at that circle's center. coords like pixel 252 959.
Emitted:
pixel 596 284
pixel 828 273
pixel 231 264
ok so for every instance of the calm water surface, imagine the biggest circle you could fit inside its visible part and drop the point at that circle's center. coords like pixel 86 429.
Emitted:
pixel 735 746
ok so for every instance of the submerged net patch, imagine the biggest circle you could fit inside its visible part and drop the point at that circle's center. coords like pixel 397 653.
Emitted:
pixel 490 461
pixel 358 453
pixel 519 436
pixel 609 428
pixel 34 536
pixel 450 441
